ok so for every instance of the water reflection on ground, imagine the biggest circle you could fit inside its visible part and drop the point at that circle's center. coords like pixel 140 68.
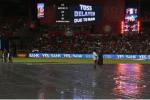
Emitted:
pixel 129 81
pixel 53 81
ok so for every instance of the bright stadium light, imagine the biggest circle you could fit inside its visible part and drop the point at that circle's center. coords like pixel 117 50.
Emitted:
pixel 122 27
pixel 139 26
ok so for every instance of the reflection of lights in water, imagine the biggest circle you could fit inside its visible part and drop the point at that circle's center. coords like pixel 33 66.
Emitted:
pixel 62 95
pixel 79 93
pixel 41 96
pixel 86 89
pixel 128 81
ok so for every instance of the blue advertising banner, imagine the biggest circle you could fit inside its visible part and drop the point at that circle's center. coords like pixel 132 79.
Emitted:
pixel 125 56
pixel 49 55
pixel 105 56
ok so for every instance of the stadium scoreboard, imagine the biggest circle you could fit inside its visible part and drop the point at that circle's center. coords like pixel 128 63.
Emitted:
pixel 84 13
pixel 63 13
pixel 79 13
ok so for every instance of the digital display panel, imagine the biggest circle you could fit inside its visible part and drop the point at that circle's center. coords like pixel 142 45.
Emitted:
pixel 84 13
pixel 40 10
pixel 77 13
pixel 63 13
pixel 131 20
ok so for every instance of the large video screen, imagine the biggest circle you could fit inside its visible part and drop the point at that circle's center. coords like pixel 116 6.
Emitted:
pixel 131 20
pixel 79 13
pixel 40 10
pixel 84 13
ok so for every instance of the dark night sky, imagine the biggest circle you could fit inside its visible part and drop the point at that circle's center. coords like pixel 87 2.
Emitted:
pixel 13 7
pixel 144 6
pixel 21 7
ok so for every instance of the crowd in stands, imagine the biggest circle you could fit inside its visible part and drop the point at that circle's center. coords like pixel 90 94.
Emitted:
pixel 48 40
pixel 10 25
pixel 16 29
pixel 104 43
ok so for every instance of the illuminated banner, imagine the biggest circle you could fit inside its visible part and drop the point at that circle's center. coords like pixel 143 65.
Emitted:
pixel 40 10
pixel 86 56
pixel 47 55
pixel 124 56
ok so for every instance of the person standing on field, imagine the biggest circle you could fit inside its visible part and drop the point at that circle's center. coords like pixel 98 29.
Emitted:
pixel 95 58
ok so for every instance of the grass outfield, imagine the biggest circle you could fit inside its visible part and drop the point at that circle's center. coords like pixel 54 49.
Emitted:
pixel 76 61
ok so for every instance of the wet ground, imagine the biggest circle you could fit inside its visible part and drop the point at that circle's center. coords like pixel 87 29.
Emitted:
pixel 56 81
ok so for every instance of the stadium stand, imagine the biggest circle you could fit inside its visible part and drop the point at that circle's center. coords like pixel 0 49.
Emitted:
pixel 49 39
